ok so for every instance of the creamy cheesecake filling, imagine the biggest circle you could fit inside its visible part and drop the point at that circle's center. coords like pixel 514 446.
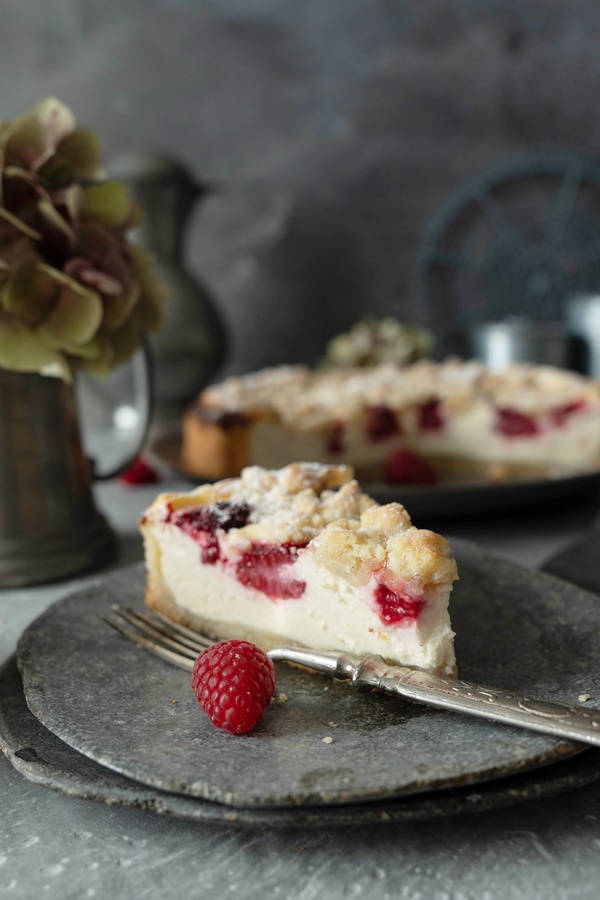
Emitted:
pixel 309 606
pixel 562 439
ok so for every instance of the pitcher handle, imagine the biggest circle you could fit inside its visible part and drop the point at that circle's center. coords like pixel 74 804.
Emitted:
pixel 136 417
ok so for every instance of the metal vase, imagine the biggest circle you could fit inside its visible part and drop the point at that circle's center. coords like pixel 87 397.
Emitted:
pixel 192 343
pixel 49 525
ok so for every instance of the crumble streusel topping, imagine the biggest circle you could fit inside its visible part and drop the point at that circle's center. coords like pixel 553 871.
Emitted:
pixel 322 504
pixel 305 398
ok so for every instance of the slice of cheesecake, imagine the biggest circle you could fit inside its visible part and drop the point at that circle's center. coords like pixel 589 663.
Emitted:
pixel 421 423
pixel 302 556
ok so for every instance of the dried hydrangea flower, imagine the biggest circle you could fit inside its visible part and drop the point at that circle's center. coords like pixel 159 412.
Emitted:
pixel 371 342
pixel 74 291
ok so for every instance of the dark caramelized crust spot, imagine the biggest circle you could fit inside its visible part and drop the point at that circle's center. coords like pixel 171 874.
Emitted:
pixel 223 418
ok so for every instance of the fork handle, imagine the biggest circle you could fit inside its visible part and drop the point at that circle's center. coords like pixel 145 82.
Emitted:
pixel 573 722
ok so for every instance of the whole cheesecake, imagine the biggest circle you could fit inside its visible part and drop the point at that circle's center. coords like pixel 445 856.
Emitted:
pixel 302 556
pixel 415 424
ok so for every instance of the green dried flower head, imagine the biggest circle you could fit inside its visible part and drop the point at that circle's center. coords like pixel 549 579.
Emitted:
pixel 74 291
pixel 371 342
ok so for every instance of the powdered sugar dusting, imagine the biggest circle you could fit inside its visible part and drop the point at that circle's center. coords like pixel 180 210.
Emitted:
pixel 290 504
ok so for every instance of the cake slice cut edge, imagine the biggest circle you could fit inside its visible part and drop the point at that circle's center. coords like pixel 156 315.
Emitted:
pixel 302 556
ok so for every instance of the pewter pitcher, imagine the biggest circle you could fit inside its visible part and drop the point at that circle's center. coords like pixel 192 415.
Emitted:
pixel 192 344
pixel 50 527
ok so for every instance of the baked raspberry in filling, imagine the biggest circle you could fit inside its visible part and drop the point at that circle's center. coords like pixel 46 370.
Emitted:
pixel 263 567
pixel 201 523
pixel 381 423
pixel 197 520
pixel 336 444
pixel 560 414
pixel 396 607
pixel 430 416
pixel 512 423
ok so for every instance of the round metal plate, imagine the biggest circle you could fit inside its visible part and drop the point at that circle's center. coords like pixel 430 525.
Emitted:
pixel 111 701
pixel 44 759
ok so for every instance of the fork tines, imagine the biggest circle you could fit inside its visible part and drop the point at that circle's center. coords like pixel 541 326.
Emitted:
pixel 153 631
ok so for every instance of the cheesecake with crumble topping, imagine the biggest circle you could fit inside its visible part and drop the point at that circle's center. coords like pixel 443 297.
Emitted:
pixel 302 556
pixel 416 424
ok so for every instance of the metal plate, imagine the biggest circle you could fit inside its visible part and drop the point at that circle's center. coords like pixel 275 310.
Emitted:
pixel 44 759
pixel 452 500
pixel 516 628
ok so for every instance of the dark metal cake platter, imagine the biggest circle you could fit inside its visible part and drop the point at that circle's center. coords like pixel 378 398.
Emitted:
pixel 446 500
pixel 320 742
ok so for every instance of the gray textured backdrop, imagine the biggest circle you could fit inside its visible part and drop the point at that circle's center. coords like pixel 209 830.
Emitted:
pixel 331 131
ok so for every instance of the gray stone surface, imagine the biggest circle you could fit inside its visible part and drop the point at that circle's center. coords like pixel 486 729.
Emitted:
pixel 332 132
pixel 63 847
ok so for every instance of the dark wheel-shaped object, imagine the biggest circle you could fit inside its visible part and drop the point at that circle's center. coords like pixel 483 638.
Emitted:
pixel 514 241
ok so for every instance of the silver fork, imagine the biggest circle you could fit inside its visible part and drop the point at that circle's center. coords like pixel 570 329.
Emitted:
pixel 180 645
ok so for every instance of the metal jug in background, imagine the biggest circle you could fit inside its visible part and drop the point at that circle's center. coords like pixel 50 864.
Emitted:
pixel 191 345
pixel 50 527
pixel 498 344
pixel 583 318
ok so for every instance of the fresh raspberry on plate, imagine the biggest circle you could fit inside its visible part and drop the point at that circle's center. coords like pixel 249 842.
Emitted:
pixel 234 682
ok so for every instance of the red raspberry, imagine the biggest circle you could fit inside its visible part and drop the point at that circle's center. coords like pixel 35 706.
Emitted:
pixel 407 467
pixel 430 416
pixel 234 682
pixel 512 423
pixel 381 423
pixel 139 472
